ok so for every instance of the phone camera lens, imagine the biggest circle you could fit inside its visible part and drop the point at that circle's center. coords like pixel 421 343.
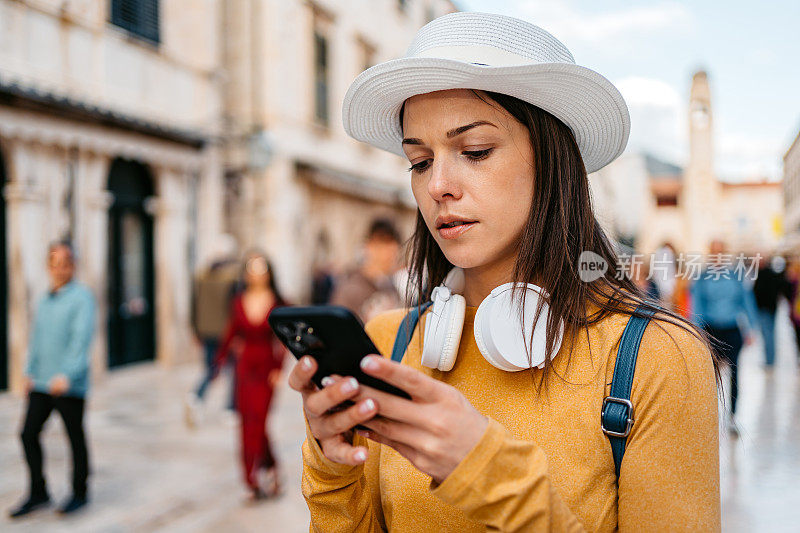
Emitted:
pixel 299 347
pixel 285 330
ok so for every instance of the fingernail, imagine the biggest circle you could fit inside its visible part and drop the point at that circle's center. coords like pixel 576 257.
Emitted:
pixel 327 380
pixel 367 406
pixel 350 384
pixel 306 362
pixel 360 456
pixel 368 363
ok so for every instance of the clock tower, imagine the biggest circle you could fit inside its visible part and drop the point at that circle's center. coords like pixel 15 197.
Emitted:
pixel 701 192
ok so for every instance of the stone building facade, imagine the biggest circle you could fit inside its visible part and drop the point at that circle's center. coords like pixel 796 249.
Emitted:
pixel 109 136
pixel 143 129
pixel 298 186
pixel 791 195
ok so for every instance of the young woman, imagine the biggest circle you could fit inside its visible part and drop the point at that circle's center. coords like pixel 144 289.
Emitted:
pixel 258 368
pixel 500 128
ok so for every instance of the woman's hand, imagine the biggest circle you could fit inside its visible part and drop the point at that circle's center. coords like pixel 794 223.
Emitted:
pixel 434 430
pixel 333 430
pixel 274 377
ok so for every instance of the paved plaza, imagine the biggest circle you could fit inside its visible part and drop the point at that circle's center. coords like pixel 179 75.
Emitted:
pixel 152 473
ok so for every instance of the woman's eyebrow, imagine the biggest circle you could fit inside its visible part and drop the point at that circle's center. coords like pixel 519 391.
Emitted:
pixel 455 132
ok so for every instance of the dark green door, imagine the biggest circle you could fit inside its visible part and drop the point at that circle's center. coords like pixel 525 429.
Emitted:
pixel 131 302
pixel 3 284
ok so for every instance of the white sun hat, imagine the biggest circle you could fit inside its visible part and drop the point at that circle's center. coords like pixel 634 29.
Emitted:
pixel 491 53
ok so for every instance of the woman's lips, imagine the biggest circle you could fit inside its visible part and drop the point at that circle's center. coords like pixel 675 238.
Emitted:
pixel 456 231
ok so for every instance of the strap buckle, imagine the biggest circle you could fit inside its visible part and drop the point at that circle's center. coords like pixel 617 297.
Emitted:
pixel 629 417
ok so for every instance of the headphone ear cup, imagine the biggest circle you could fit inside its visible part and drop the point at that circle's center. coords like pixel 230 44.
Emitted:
pixel 443 325
pixel 478 331
pixel 499 337
pixel 454 323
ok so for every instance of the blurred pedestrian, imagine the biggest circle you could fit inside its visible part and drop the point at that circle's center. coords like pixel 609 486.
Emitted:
pixel 322 285
pixel 322 279
pixel 212 293
pixel 641 276
pixel 369 289
pixel 663 272
pixel 770 284
pixel 793 276
pixel 57 377
pixel 258 369
pixel 719 299
pixel 682 293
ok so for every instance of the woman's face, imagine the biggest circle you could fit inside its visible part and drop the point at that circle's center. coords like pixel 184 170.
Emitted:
pixel 472 166
pixel 256 272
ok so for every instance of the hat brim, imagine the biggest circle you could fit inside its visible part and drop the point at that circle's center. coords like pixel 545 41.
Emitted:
pixel 589 104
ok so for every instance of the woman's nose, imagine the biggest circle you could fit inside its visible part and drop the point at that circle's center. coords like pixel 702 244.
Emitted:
pixel 443 182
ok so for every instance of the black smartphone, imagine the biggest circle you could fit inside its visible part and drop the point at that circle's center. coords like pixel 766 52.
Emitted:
pixel 333 336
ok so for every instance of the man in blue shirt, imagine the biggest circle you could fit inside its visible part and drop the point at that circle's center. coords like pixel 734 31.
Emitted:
pixel 57 377
pixel 719 298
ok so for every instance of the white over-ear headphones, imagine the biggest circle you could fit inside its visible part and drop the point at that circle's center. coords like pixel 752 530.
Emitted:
pixel 497 330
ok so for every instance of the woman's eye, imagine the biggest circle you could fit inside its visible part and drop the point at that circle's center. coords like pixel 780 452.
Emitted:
pixel 419 167
pixel 477 155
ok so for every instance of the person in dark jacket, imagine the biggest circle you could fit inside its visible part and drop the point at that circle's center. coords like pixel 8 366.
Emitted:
pixel 213 291
pixel 369 289
pixel 769 286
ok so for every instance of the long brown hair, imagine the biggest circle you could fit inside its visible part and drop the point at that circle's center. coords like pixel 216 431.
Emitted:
pixel 561 225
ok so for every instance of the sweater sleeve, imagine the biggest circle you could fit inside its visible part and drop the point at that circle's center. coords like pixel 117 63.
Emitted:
pixel 504 483
pixel 339 497
pixel 343 497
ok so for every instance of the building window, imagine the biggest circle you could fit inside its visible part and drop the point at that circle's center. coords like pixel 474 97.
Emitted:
pixel 233 202
pixel 137 17
pixel 320 78
pixel 667 200
pixel 367 54
pixel 429 14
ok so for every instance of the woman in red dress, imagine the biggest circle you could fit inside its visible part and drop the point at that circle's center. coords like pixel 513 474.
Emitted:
pixel 258 366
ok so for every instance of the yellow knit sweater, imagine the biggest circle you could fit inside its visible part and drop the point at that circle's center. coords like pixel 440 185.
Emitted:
pixel 543 463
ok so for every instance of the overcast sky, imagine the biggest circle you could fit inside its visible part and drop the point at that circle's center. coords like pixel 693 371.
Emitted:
pixel 650 49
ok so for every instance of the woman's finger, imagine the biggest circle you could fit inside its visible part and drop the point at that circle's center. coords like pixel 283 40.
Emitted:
pixel 395 407
pixel 403 449
pixel 414 382
pixel 342 421
pixel 320 402
pixel 339 451
pixel 405 434
pixel 300 376
pixel 327 381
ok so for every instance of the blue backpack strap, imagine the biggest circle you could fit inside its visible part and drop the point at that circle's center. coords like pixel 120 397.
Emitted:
pixel 406 330
pixel 616 418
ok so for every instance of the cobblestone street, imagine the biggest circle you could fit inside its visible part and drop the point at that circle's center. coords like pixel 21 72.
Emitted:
pixel 152 473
